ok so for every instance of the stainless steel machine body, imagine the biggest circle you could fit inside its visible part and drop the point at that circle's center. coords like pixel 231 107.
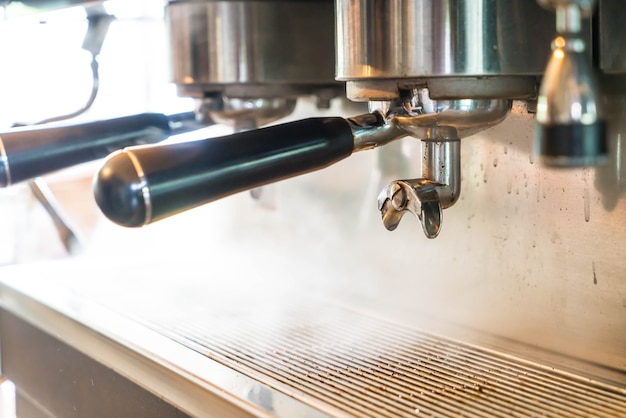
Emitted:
pixel 243 61
pixel 517 308
pixel 252 49
pixel 457 48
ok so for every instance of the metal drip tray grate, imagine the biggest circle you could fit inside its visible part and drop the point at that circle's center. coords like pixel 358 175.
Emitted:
pixel 345 363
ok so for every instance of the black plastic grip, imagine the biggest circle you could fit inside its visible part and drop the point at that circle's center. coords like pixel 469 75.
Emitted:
pixel 139 185
pixel 29 152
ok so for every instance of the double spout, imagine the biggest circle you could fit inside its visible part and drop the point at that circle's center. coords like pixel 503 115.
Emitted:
pixel 440 125
pixel 426 197
pixel 142 184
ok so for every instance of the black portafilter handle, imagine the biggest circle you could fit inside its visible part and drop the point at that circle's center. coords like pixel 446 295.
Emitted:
pixel 29 152
pixel 143 184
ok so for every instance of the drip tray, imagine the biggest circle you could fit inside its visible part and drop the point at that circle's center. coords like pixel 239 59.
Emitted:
pixel 372 368
pixel 304 351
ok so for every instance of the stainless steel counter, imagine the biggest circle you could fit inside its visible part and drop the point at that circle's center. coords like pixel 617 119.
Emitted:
pixel 212 343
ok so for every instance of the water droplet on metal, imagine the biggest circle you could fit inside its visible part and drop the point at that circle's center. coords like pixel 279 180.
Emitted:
pixel 595 277
pixel 538 190
pixel 587 205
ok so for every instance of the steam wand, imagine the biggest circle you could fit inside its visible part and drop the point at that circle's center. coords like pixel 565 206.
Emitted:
pixel 570 132
pixel 98 25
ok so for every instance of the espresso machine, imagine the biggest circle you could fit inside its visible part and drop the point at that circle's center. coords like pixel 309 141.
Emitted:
pixel 506 116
